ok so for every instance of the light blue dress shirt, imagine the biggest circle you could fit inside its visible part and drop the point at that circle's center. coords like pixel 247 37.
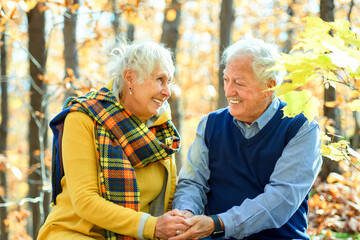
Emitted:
pixel 290 182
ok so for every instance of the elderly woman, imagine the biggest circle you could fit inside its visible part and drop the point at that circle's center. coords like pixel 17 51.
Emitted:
pixel 113 174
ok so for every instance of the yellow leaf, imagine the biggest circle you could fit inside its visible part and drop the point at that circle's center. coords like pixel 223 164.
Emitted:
pixel 324 137
pixel 284 88
pixel 11 15
pixel 342 59
pixel 301 102
pixel 331 152
pixel 330 76
pixel 355 105
pixel 334 177
pixel 75 7
pixel 311 109
pixel 171 15
pixel 70 72
pixel 316 28
pixel 341 27
pixel 325 150
pixel 28 5
pixel 354 94
pixel 330 129
pixel 331 104
pixel 354 41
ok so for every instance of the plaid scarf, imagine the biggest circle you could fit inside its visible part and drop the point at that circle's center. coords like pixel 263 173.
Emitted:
pixel 123 143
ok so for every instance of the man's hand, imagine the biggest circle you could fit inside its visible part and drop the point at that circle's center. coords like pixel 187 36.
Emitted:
pixel 170 224
pixel 186 213
pixel 201 226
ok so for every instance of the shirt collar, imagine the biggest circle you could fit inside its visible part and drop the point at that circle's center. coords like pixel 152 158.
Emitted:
pixel 264 118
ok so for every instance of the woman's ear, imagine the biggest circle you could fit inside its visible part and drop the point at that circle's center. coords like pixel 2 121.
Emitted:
pixel 129 76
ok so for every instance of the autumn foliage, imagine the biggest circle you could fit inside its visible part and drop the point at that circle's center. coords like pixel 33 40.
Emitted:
pixel 317 59
pixel 335 205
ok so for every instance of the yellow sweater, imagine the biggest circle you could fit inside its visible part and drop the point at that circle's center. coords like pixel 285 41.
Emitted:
pixel 80 212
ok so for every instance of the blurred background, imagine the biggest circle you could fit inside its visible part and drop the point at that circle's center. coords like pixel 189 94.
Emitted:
pixel 53 49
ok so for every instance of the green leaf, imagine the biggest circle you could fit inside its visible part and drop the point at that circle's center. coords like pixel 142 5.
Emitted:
pixel 301 102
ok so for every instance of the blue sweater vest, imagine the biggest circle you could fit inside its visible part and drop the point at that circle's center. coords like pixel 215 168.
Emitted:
pixel 240 168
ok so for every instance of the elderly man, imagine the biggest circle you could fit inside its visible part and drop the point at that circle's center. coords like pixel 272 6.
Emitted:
pixel 249 169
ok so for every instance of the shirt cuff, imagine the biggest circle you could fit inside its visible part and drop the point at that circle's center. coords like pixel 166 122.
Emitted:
pixel 228 224
pixel 149 228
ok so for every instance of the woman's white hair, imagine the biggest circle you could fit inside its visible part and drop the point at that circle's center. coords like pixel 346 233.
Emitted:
pixel 263 54
pixel 143 57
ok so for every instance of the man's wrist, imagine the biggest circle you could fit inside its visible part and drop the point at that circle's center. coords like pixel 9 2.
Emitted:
pixel 219 229
pixel 189 211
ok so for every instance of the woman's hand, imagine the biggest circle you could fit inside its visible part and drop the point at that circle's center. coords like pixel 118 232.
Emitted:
pixel 201 227
pixel 170 224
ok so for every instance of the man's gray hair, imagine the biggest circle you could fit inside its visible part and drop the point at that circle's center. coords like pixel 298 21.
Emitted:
pixel 263 55
pixel 142 57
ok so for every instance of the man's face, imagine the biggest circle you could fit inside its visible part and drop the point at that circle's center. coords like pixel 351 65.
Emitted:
pixel 245 94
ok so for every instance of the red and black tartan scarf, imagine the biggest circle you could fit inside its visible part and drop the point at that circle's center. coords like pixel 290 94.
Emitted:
pixel 123 143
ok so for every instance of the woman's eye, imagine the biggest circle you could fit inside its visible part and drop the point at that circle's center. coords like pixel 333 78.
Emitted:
pixel 170 82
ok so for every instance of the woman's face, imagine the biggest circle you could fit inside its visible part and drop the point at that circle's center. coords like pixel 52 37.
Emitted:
pixel 148 96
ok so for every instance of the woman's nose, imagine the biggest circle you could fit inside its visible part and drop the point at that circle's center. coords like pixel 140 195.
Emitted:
pixel 166 90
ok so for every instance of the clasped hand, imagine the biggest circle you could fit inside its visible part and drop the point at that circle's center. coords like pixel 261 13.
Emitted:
pixel 181 225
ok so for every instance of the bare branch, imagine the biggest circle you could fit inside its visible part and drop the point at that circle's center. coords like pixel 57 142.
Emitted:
pixel 344 154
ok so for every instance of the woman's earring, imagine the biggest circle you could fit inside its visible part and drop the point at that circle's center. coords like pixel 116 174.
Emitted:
pixel 130 91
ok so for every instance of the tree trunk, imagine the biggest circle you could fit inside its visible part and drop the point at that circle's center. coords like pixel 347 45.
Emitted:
pixel 3 134
pixel 70 49
pixel 116 22
pixel 37 124
pixel 290 31
pixel 170 37
pixel 355 138
pixel 131 32
pixel 327 14
pixel 226 21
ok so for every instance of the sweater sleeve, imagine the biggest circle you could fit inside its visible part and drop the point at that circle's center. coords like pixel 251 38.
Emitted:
pixel 173 180
pixel 81 173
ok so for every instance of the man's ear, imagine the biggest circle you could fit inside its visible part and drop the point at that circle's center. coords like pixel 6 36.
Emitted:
pixel 129 76
pixel 271 83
